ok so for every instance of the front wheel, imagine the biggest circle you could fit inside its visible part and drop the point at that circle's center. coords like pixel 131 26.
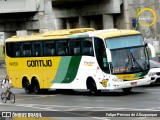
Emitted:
pixel 127 90
pixel 93 88
pixel 28 89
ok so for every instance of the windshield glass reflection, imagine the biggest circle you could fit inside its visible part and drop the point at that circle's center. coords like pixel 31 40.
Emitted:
pixel 129 60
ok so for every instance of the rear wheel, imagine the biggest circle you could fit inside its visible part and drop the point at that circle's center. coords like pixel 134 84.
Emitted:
pixel 12 97
pixel 3 97
pixel 127 90
pixel 36 87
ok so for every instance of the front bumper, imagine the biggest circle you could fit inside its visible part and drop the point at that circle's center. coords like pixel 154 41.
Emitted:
pixel 155 79
pixel 126 84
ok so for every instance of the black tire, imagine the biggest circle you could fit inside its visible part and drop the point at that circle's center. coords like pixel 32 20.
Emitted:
pixel 127 90
pixel 12 98
pixel 28 89
pixel 36 88
pixel 2 94
pixel 92 88
pixel 3 97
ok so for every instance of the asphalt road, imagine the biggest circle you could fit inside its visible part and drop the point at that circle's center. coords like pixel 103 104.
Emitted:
pixel 67 103
pixel 146 98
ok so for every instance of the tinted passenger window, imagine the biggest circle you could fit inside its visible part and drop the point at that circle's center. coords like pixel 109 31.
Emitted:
pixel 37 48
pixel 87 47
pixel 17 49
pixel 62 47
pixel 49 48
pixel 27 49
pixel 75 47
pixel 13 49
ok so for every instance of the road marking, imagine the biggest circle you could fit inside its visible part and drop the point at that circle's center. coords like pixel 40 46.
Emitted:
pixel 28 105
pixel 101 118
pixel 105 109
pixel 152 89
pixel 34 97
pixel 48 109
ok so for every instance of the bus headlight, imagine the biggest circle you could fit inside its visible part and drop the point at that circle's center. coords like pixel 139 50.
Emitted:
pixel 151 74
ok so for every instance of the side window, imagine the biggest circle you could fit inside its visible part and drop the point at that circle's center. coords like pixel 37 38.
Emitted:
pixel 104 59
pixel 87 47
pixel 37 49
pixel 13 49
pixel 101 54
pixel 17 49
pixel 62 47
pixel 9 49
pixel 49 48
pixel 75 47
pixel 26 49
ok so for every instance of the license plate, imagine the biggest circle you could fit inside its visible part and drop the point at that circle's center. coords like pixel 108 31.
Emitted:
pixel 133 83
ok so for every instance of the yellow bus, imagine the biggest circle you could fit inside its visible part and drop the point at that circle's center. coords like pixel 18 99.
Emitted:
pixel 81 58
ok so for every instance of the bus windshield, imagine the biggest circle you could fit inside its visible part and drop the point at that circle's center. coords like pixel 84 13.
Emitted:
pixel 128 57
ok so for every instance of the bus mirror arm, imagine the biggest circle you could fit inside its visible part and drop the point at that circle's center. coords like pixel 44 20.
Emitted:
pixel 150 46
pixel 110 68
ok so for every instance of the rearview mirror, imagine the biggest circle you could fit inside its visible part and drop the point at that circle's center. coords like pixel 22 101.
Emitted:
pixel 150 46
pixel 109 56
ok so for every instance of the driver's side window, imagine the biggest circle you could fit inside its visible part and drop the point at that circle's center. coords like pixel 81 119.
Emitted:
pixel 101 54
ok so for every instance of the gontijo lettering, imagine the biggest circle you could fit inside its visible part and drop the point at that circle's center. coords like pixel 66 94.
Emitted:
pixel 39 63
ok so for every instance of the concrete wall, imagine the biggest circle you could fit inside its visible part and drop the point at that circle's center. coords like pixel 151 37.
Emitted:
pixel 12 6
pixel 5 35
pixel 88 8
pixel 151 33
pixel 38 15
pixel 30 15
pixel 86 14
pixel 42 15
pixel 46 20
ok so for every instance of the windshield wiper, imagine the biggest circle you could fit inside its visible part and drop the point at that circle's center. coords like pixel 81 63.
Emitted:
pixel 129 61
pixel 135 61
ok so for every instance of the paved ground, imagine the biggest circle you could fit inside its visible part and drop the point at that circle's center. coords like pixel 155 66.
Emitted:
pixel 145 98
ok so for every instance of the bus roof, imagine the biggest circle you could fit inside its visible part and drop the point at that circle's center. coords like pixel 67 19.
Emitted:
pixel 55 34
pixel 113 33
pixel 74 33
pixel 108 33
